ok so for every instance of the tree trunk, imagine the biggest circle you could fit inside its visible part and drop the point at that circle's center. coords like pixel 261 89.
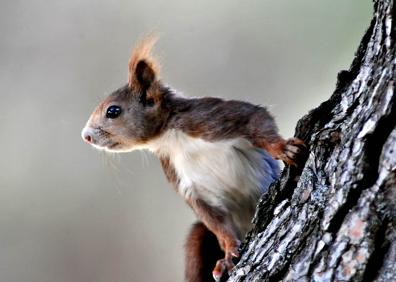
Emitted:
pixel 334 217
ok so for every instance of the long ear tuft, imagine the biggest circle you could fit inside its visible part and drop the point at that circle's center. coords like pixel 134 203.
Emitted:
pixel 143 68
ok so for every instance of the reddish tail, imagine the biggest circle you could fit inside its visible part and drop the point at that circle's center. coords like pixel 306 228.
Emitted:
pixel 202 252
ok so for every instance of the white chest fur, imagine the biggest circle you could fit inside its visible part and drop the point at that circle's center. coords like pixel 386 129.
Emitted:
pixel 228 174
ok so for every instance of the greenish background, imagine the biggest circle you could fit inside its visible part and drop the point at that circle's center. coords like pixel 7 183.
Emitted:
pixel 69 213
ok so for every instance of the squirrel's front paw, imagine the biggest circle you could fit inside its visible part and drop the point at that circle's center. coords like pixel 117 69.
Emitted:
pixel 293 151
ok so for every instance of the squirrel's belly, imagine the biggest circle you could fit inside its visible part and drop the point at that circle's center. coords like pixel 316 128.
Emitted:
pixel 230 174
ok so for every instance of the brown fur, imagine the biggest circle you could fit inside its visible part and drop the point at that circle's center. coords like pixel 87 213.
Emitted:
pixel 169 171
pixel 215 119
pixel 218 222
pixel 202 252
pixel 142 52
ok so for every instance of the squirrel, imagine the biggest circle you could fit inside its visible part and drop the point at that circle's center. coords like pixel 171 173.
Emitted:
pixel 218 154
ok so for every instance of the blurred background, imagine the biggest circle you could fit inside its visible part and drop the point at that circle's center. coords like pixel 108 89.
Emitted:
pixel 69 213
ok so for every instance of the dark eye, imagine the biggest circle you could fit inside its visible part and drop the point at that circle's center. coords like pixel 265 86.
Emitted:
pixel 113 112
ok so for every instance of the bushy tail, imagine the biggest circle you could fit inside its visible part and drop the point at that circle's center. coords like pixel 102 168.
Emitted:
pixel 202 252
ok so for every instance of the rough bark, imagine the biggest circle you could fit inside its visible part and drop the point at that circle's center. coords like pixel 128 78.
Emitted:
pixel 334 217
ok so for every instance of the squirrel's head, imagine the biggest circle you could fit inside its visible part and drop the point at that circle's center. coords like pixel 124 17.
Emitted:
pixel 135 113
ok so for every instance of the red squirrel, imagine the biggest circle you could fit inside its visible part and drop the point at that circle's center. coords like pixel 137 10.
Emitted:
pixel 218 154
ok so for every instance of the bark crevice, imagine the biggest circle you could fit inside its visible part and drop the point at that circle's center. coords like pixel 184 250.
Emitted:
pixel 381 248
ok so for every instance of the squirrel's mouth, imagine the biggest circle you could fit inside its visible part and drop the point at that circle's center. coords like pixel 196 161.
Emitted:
pixel 109 146
pixel 113 145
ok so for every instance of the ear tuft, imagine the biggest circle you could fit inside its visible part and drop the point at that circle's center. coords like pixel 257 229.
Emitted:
pixel 143 68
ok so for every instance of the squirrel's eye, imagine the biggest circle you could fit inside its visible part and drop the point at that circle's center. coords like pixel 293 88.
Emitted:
pixel 113 112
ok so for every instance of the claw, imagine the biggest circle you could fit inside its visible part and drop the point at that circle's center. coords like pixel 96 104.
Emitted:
pixel 235 254
pixel 216 277
pixel 231 250
pixel 221 266
pixel 292 151
pixel 219 270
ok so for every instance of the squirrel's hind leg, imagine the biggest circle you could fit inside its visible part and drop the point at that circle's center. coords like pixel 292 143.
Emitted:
pixel 218 222
pixel 202 252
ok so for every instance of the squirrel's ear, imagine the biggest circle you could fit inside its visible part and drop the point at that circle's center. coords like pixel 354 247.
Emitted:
pixel 143 69
pixel 145 75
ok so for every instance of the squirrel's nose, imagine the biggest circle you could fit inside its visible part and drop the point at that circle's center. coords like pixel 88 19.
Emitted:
pixel 87 136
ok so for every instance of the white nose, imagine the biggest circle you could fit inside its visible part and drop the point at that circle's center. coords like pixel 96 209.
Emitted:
pixel 87 135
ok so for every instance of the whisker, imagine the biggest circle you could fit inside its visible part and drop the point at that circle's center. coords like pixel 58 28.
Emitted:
pixel 114 170
pixel 144 158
